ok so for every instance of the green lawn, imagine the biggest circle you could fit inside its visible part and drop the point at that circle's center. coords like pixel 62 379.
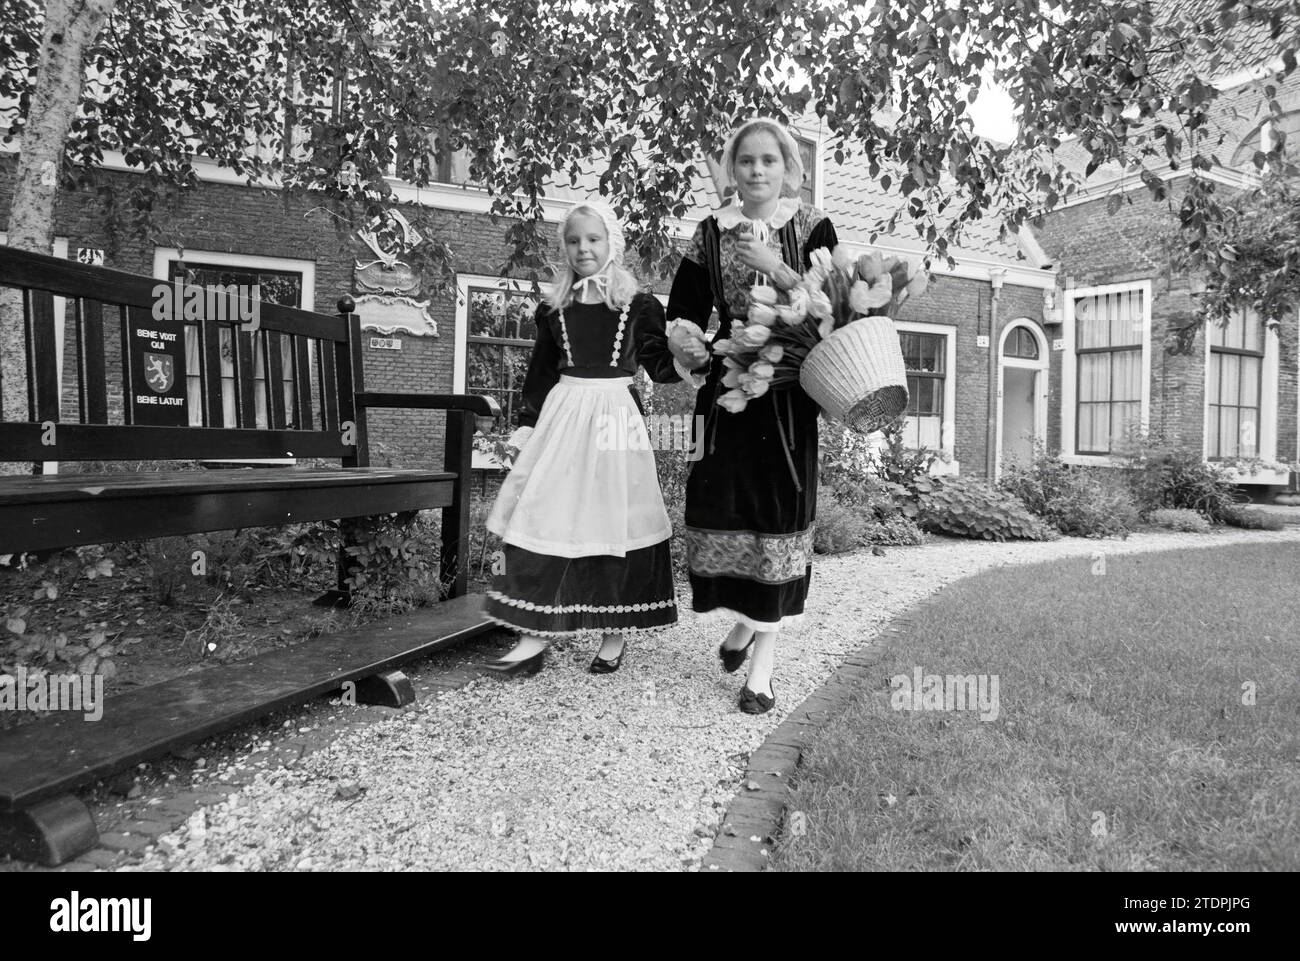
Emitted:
pixel 1120 696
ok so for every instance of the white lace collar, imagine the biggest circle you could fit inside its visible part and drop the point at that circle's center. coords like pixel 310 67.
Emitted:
pixel 731 215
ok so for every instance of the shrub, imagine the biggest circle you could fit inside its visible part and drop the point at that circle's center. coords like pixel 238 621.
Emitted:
pixel 1164 474
pixel 895 530
pixel 839 528
pixel 1179 519
pixel 1252 519
pixel 1073 500
pixel 896 464
pixel 969 508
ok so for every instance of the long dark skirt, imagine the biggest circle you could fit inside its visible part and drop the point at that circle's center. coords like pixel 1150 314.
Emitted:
pixel 749 517
pixel 554 596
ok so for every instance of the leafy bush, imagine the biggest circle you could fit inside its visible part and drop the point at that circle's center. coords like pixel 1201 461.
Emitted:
pixel 964 507
pixel 1073 500
pixel 838 529
pixel 843 527
pixel 388 560
pixel 1165 474
pixel 1252 519
pixel 1179 519
pixel 894 530
pixel 896 464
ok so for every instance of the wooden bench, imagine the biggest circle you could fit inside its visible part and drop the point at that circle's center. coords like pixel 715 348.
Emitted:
pixel 312 405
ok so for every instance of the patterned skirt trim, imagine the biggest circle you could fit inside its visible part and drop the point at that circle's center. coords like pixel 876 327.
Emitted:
pixel 766 558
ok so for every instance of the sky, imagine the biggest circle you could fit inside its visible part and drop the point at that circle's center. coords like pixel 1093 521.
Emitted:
pixel 991 113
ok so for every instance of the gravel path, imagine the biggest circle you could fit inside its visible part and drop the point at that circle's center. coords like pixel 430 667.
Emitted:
pixel 567 770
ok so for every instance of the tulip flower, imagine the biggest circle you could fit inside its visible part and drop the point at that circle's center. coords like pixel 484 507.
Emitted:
pixel 733 400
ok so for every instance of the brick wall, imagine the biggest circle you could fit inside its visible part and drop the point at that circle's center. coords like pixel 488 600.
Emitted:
pixel 1095 248
pixel 244 220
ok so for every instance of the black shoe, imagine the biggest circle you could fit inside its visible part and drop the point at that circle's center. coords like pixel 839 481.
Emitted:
pixel 731 660
pixel 754 703
pixel 527 667
pixel 602 666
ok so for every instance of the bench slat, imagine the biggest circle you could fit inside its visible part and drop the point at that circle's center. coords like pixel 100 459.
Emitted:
pixel 42 355
pixel 245 380
pixel 92 386
pixel 213 390
pixel 67 278
pixel 302 418
pixel 81 442
pixel 329 395
pixel 178 506
pixel 273 361
pixel 62 751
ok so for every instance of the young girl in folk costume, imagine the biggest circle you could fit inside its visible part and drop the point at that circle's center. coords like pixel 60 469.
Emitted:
pixel 752 496
pixel 581 514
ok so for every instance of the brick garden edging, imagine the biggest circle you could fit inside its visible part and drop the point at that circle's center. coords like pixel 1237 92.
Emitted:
pixel 756 814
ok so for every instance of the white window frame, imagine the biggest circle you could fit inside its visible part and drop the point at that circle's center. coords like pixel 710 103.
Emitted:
pixel 460 342
pixel 813 134
pixel 1042 365
pixel 1069 373
pixel 1268 408
pixel 948 447
pixel 162 256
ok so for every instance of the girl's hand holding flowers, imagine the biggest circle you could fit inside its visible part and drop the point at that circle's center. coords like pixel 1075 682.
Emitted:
pixel 757 255
pixel 686 343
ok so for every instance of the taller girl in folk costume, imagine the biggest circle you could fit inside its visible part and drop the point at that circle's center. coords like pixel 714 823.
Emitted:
pixel 581 515
pixel 752 497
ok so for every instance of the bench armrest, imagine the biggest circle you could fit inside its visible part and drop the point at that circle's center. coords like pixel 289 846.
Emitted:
pixel 478 404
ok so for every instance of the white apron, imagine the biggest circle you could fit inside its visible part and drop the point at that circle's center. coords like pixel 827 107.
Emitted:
pixel 585 483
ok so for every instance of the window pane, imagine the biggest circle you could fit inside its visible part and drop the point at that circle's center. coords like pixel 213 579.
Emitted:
pixel 1233 330
pixel 1125 419
pixel 1089 414
pixel 1212 379
pixel 1228 432
pixel 922 352
pixel 1252 334
pixel 1250 381
pixel 1126 376
pixel 193 382
pixel 483 367
pixel 1094 377
pixel 1126 321
pixel 929 430
pixel 1248 431
pixel 1091 322
pixel 1230 389
pixel 486 313
pixel 274 286
pixel 808 156
pixel 1022 344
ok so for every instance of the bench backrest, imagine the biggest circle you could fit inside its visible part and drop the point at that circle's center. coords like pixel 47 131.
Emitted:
pixel 300 405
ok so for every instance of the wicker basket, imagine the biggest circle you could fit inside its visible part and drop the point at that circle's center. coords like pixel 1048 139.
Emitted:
pixel 857 374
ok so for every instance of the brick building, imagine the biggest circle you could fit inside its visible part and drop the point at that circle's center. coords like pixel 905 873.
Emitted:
pixel 1056 336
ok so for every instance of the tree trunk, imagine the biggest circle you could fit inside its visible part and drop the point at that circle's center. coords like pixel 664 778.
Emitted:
pixel 71 26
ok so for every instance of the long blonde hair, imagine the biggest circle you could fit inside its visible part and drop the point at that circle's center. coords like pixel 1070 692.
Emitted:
pixel 621 284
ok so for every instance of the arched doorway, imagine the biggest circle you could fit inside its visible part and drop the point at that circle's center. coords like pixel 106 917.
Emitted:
pixel 1022 393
